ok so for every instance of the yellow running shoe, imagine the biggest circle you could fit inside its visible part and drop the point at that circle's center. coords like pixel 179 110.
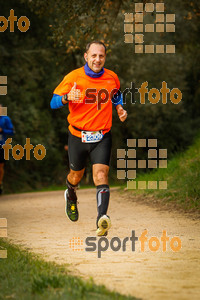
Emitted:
pixel 104 225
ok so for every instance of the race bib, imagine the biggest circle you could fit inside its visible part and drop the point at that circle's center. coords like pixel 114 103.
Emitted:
pixel 91 136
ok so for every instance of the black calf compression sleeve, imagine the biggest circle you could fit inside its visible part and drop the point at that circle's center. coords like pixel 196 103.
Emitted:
pixel 71 190
pixel 103 195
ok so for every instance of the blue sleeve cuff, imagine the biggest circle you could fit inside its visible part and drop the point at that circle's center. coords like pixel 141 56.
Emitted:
pixel 56 101
pixel 8 127
pixel 117 99
pixel 8 131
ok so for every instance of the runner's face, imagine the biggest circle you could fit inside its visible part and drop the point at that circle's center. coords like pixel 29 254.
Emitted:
pixel 95 57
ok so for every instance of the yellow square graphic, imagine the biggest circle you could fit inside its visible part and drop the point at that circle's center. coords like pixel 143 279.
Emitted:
pixel 152 142
pixel 152 185
pixel 3 232
pixel 3 90
pixel 3 79
pixel 142 164
pixel 3 253
pixel 139 18
pixel 121 153
pixel 152 153
pixel 131 153
pixel 128 38
pixel 128 17
pixel 138 27
pixel 138 7
pixel 160 49
pixel 149 7
pixel 170 18
pixel 131 142
pixel 159 27
pixel 163 164
pixel 160 18
pixel 128 27
pixel 162 185
pixel 121 174
pixel 149 28
pixel 152 164
pixel 121 163
pixel 170 48
pixel 131 164
pixel 3 222
pixel 141 142
pixel 139 38
pixel 149 49
pixel 162 153
pixel 138 48
pixel 131 185
pixel 170 28
pixel 160 7
pixel 142 185
pixel 3 111
pixel 131 174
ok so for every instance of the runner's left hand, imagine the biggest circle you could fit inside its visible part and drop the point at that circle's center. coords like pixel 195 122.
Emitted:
pixel 122 113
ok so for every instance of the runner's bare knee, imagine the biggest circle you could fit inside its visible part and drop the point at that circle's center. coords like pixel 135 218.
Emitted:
pixel 100 177
pixel 75 177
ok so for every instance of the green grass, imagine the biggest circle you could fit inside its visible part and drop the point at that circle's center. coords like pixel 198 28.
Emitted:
pixel 26 276
pixel 183 178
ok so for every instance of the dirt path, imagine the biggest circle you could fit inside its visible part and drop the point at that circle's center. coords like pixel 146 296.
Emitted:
pixel 38 222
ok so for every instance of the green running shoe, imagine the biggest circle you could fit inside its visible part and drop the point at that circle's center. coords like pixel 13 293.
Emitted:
pixel 71 209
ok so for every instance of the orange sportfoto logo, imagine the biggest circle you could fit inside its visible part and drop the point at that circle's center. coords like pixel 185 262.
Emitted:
pixel 116 244
pixel 23 22
pixel 18 151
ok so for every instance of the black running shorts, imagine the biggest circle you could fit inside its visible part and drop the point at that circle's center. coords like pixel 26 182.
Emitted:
pixel 99 152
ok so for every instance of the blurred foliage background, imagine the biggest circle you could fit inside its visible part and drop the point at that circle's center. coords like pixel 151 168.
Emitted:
pixel 36 61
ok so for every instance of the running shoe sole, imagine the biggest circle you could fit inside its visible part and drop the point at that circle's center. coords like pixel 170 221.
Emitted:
pixel 104 225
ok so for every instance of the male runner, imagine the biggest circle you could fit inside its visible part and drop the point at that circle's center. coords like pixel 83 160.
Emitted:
pixel 90 121
pixel 6 127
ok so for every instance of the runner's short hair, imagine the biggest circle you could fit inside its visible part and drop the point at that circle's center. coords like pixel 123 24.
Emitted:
pixel 94 42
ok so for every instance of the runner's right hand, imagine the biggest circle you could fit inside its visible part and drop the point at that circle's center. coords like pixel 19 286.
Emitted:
pixel 74 95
